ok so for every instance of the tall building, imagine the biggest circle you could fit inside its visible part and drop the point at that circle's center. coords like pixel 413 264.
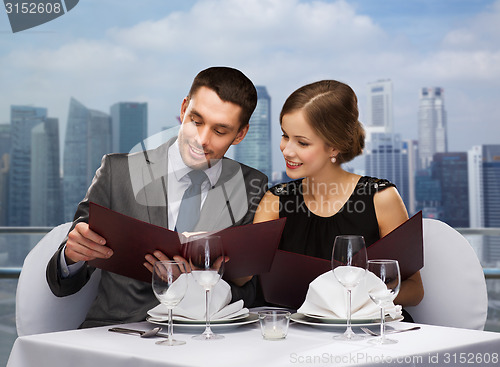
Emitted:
pixel 410 147
pixel 255 149
pixel 450 169
pixel 5 146
pixel 129 122
pixel 379 106
pixel 428 194
pixel 484 191
pixel 386 157
pixel 475 171
pixel 46 194
pixel 432 133
pixel 23 120
pixel 88 138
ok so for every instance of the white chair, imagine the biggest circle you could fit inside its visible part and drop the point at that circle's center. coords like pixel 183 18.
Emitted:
pixel 453 278
pixel 37 309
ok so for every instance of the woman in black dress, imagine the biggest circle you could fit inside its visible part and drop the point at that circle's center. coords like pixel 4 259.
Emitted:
pixel 320 132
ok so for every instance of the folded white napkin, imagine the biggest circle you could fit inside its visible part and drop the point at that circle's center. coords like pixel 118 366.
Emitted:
pixel 326 297
pixel 192 306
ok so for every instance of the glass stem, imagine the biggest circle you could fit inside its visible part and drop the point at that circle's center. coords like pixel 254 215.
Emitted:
pixel 170 326
pixel 382 324
pixel 207 312
pixel 349 329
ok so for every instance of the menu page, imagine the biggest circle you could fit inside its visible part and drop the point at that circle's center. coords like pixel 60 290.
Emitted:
pixel 250 248
pixel 288 280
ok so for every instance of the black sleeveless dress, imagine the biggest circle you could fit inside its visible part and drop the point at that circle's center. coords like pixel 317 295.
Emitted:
pixel 309 234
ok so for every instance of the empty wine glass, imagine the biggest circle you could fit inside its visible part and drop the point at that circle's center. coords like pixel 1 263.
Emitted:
pixel 388 272
pixel 170 282
pixel 349 267
pixel 206 259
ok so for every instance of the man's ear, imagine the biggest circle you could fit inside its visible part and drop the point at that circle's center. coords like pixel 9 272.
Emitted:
pixel 184 106
pixel 241 134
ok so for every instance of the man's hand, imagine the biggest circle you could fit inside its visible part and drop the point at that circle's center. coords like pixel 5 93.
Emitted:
pixel 160 256
pixel 85 245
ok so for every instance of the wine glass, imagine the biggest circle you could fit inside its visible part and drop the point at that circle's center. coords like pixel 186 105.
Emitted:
pixel 349 267
pixel 170 282
pixel 206 259
pixel 388 272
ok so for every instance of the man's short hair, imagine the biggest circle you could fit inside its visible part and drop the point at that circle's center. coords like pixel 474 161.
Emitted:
pixel 231 85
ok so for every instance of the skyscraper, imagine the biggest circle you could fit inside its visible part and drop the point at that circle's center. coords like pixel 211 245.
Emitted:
pixel 23 120
pixel 255 149
pixel 475 172
pixel 450 169
pixel 379 106
pixel 432 133
pixel 428 194
pixel 484 190
pixel 387 158
pixel 385 155
pixel 46 194
pixel 129 121
pixel 5 140
pixel 88 138
pixel 410 147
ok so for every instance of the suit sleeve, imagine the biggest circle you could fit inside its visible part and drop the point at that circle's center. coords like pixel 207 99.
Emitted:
pixel 98 192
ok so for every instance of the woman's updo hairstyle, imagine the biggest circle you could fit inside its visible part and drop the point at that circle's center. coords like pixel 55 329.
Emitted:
pixel 331 108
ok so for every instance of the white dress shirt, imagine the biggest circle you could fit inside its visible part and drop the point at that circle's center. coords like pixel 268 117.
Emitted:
pixel 179 181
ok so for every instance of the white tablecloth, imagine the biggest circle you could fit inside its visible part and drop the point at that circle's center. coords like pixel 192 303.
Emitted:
pixel 244 346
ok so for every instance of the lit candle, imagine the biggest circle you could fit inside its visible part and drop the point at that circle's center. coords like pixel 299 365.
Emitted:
pixel 274 332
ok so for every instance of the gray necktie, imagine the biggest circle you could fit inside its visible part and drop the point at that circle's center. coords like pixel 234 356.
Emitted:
pixel 189 211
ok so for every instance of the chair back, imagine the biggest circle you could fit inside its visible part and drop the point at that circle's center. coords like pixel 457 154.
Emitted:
pixel 38 310
pixel 453 279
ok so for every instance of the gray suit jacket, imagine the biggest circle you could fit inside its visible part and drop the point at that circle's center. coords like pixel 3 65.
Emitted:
pixel 135 185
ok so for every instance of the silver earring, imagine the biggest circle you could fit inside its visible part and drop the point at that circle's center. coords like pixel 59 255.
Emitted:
pixel 333 159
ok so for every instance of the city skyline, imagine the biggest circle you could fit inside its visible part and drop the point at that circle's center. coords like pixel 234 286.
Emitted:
pixel 255 149
pixel 149 52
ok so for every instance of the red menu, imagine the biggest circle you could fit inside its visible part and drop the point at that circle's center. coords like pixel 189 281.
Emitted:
pixel 250 248
pixel 288 280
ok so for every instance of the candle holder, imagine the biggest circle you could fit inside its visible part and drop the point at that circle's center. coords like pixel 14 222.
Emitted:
pixel 274 324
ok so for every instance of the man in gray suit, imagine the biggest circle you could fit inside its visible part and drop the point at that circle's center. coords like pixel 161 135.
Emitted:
pixel 149 186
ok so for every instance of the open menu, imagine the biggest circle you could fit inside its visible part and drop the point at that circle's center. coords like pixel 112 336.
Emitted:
pixel 250 248
pixel 287 282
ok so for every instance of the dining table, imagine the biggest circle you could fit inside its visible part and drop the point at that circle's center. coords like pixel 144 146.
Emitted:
pixel 243 345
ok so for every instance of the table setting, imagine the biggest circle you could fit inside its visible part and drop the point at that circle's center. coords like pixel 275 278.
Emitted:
pixel 189 314
pixel 355 292
pixel 342 321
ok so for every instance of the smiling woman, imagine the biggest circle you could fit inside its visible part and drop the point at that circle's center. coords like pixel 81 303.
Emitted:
pixel 320 132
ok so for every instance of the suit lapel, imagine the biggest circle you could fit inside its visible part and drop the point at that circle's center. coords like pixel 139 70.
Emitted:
pixel 219 205
pixel 154 175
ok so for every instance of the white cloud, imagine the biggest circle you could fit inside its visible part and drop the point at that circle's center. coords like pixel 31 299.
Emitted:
pixel 278 43
pixel 481 32
pixel 213 27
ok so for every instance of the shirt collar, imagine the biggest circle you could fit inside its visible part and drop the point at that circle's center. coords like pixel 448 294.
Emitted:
pixel 180 170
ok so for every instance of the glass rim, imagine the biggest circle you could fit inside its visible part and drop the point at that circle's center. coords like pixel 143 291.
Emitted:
pixel 350 236
pixel 169 262
pixel 382 261
pixel 274 312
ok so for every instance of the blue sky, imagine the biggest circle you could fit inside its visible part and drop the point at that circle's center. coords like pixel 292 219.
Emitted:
pixel 105 51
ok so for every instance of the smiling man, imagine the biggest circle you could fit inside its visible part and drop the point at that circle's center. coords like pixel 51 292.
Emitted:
pixel 209 127
pixel 152 185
